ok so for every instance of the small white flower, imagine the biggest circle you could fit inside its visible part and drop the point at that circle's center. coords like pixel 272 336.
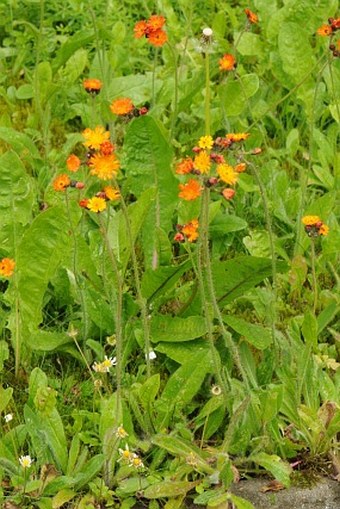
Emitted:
pixel 105 365
pixel 8 417
pixel 152 355
pixel 207 32
pixel 25 461
pixel 120 432
pixel 126 454
pixel 136 462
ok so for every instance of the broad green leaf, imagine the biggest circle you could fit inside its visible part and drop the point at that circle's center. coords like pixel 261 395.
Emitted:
pixel 136 86
pixel 148 161
pixel 149 390
pixel 240 503
pixel 169 489
pixel 224 224
pixel 79 40
pixel 234 95
pixel 256 335
pixel 21 143
pixel 90 470
pixel 62 497
pixel 295 50
pixel 4 353
pixel 47 340
pixel 75 65
pixel 25 92
pixel 159 281
pixel 9 467
pixel 309 330
pixel 249 44
pixel 274 464
pixel 43 81
pixel 5 397
pixel 172 328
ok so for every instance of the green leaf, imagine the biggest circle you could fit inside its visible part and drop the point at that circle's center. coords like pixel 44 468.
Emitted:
pixel 224 224
pixel 90 470
pixel 149 390
pixel 235 94
pixel 309 330
pixel 169 489
pixel 181 352
pixel 296 53
pixel 249 44
pixel 25 92
pixel 75 65
pixel 79 40
pixel 172 328
pixel 159 281
pixel 4 353
pixel 47 340
pixel 274 464
pixel 148 160
pixel 62 497
pixel 5 397
pixel 256 335
pixel 240 503
pixel 21 143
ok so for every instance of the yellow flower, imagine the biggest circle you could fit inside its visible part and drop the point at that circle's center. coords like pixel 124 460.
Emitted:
pixel 96 204
pixel 94 138
pixel 310 220
pixel 206 142
pixel 237 136
pixel 136 462
pixel 227 173
pixel 202 162
pixel 104 167
pixel 120 432
pixel 111 193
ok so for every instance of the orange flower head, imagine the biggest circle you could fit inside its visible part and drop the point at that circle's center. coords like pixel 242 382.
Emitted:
pixel 7 267
pixel 122 106
pixel 324 30
pixel 202 162
pixel 227 62
pixel 96 204
pixel 111 193
pixel 252 17
pixel 206 142
pixel 324 229
pixel 185 166
pixel 227 173
pixel 235 137
pixel 228 193
pixel 92 85
pixel 106 148
pixel 157 38
pixel 95 137
pixel 73 163
pixel 335 24
pixel 61 182
pixel 310 220
pixel 140 29
pixel 155 22
pixel 190 230
pixel 104 167
pixel 240 168
pixel 83 203
pixel 190 191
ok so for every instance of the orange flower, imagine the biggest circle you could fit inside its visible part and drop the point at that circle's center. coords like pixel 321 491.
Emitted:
pixel 228 193
pixel 111 193
pixel 96 204
pixel 104 167
pixel 227 173
pixel 240 168
pixel 190 230
pixel 122 106
pixel 83 203
pixel 237 136
pixel 92 85
pixel 157 38
pixel 94 138
pixel 185 166
pixel 252 17
pixel 202 162
pixel 190 191
pixel 61 182
pixel 324 229
pixel 335 24
pixel 7 267
pixel 106 148
pixel 73 162
pixel 324 30
pixel 227 62
pixel 140 29
pixel 155 22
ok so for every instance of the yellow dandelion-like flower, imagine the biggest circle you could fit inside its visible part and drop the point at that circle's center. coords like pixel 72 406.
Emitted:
pixel 96 204
pixel 310 220
pixel 227 173
pixel 95 137
pixel 202 162
pixel 104 167
pixel 206 142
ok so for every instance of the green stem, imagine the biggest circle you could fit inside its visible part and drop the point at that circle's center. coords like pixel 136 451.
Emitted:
pixel 207 93
pixel 153 84
pixel 175 105
pixel 140 299
pixel 315 283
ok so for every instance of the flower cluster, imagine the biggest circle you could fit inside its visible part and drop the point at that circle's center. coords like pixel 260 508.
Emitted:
pixel 328 30
pixel 314 227
pixel 152 29
pixel 105 365
pixel 187 231
pixel 130 457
